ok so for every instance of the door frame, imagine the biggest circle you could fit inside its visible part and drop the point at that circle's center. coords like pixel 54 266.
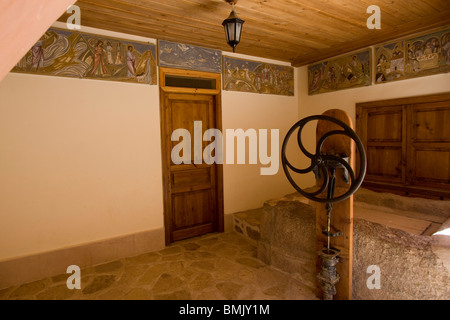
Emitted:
pixel 166 137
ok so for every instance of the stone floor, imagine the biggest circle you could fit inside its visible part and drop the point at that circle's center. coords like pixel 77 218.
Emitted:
pixel 212 267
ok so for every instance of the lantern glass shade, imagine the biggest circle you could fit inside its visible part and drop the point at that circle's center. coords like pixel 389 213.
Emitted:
pixel 233 28
pixel 229 32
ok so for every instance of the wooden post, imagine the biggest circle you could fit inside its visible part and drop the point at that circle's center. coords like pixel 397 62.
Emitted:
pixel 342 212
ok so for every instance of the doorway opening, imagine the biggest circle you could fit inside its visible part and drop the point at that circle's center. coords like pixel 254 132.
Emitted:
pixel 193 193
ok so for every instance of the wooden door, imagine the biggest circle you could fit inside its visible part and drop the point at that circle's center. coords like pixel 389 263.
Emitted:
pixel 193 202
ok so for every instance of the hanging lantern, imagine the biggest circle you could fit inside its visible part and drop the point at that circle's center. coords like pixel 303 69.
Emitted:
pixel 233 27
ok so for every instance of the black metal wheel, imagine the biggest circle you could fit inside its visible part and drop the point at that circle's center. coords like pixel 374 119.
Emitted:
pixel 323 163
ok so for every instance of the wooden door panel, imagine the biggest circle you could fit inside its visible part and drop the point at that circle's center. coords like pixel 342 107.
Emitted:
pixel 385 126
pixel 384 163
pixel 431 123
pixel 193 180
pixel 193 214
pixel 181 179
pixel 185 110
pixel 432 167
pixel 192 209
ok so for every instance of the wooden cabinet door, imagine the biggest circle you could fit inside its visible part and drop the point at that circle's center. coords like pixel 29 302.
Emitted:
pixel 408 145
pixel 192 205
pixel 385 132
pixel 429 145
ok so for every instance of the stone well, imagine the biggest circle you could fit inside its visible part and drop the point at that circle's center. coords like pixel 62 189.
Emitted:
pixel 412 266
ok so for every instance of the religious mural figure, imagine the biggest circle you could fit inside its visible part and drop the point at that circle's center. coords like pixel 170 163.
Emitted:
pixel 316 81
pixel 446 48
pixel 131 62
pixel 99 65
pixel 109 53
pixel 37 53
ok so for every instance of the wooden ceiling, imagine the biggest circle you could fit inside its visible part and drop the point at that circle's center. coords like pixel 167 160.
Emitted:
pixel 296 31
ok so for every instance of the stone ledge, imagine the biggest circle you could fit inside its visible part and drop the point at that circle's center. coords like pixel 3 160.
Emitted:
pixel 247 223
pixel 439 208
pixel 47 264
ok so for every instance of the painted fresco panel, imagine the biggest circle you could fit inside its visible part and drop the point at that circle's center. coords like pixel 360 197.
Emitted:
pixel 80 55
pixel 428 54
pixel 183 56
pixel 390 62
pixel 345 72
pixel 415 57
pixel 257 77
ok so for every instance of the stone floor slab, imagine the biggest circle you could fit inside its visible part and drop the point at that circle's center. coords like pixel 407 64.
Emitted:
pixel 215 266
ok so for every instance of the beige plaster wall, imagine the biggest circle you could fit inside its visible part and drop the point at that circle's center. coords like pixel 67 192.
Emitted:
pixel 77 161
pixel 80 159
pixel 244 186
